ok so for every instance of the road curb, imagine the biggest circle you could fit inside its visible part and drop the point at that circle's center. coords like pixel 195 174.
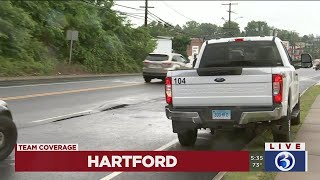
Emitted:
pixel 8 79
pixel 315 84
pixel 220 175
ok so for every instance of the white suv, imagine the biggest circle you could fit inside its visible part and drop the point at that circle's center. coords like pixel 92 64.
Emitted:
pixel 157 65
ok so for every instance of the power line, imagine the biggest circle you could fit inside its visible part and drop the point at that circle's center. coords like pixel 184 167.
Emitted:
pixel 166 23
pixel 125 13
pixel 153 19
pixel 128 14
pixel 145 9
pixel 136 17
pixel 157 17
pixel 128 7
pixel 176 11
pixel 140 18
pixel 132 15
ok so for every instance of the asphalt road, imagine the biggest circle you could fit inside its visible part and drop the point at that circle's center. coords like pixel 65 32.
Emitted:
pixel 140 125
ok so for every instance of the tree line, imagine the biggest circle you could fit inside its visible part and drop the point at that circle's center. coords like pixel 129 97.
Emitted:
pixel 253 28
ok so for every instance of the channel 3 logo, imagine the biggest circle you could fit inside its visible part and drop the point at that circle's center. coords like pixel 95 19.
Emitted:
pixel 286 157
pixel 284 161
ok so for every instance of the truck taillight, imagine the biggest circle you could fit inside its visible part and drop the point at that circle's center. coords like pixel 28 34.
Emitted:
pixel 239 40
pixel 277 83
pixel 168 90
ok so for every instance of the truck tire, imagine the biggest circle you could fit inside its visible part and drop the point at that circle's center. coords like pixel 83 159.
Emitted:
pixel 296 120
pixel 284 133
pixel 8 136
pixel 188 137
pixel 147 79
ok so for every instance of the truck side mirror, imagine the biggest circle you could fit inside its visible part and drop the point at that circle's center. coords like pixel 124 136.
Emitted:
pixel 296 64
pixel 306 61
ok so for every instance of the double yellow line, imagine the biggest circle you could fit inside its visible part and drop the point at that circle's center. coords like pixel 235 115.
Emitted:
pixel 66 92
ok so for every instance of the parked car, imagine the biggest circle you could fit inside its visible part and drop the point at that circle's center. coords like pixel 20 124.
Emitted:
pixel 157 65
pixel 243 83
pixel 316 64
pixel 8 131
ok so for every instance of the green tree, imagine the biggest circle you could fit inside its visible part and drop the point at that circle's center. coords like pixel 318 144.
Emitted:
pixel 257 28
pixel 191 28
pixel 207 30
pixel 160 29
pixel 231 30
pixel 180 43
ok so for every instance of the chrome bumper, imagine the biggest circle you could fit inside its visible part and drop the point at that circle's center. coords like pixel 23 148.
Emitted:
pixel 246 117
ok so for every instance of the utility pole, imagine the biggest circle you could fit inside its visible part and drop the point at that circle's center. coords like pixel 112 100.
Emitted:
pixel 259 24
pixel 229 24
pixel 146 12
pixel 293 44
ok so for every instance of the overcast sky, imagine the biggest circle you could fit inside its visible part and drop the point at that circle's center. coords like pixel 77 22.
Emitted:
pixel 300 16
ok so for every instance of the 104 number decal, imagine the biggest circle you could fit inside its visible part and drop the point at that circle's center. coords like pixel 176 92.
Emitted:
pixel 179 80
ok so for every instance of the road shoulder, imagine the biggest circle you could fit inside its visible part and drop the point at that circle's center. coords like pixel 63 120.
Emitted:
pixel 20 78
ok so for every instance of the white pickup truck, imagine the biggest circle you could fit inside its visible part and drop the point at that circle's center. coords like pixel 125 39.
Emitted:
pixel 245 82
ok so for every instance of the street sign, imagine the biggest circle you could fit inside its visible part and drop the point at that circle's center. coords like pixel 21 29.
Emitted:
pixel 195 50
pixel 72 36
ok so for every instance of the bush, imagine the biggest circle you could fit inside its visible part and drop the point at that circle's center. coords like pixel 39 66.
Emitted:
pixel 12 67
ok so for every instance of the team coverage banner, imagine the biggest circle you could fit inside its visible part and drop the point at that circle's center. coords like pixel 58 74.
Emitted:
pixel 67 157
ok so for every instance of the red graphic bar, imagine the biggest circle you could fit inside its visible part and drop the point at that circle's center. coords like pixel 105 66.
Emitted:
pixel 164 161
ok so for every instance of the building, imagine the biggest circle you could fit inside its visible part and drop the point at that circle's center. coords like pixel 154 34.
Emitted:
pixel 194 47
pixel 163 44
pixel 297 50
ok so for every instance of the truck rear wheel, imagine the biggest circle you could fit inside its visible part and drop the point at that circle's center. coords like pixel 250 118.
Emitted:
pixel 188 137
pixel 8 136
pixel 283 134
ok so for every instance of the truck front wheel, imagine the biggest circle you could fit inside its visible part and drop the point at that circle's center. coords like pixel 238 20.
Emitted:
pixel 188 137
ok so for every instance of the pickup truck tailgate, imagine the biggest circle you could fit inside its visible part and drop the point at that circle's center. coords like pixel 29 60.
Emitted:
pixel 250 87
